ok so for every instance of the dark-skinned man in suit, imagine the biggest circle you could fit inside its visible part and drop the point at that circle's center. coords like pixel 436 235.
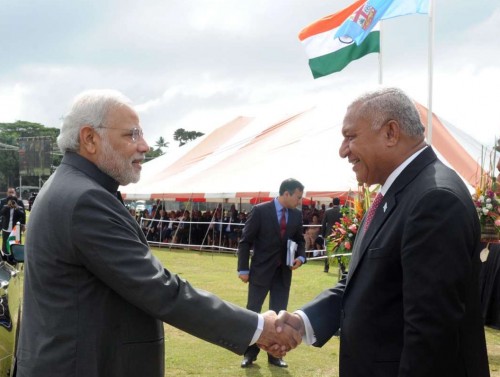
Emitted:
pixel 410 303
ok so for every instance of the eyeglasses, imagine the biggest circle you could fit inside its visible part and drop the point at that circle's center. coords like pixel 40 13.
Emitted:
pixel 134 133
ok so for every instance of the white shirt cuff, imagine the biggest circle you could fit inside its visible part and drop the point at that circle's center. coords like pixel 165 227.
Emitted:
pixel 258 330
pixel 309 338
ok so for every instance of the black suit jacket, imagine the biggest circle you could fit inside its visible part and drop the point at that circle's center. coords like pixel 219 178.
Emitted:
pixel 331 216
pixel 262 232
pixel 410 305
pixel 18 214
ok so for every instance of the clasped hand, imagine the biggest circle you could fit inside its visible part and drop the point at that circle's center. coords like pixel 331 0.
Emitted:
pixel 281 333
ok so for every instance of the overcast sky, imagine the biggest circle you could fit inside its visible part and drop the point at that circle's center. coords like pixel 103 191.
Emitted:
pixel 198 64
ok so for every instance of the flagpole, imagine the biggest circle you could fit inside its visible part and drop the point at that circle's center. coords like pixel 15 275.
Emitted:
pixel 380 77
pixel 430 71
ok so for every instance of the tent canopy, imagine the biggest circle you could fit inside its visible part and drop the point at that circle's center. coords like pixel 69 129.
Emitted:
pixel 247 159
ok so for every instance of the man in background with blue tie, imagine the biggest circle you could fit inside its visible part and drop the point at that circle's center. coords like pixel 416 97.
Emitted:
pixel 267 230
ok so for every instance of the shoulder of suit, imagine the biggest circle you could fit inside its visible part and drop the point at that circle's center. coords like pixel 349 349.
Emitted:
pixel 269 204
pixel 296 211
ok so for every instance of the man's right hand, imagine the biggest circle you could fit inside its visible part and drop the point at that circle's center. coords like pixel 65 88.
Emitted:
pixel 277 340
pixel 290 319
pixel 244 277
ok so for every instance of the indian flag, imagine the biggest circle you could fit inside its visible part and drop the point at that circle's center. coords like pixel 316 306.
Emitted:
pixel 14 237
pixel 328 54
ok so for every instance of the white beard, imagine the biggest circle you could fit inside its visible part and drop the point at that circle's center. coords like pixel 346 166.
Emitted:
pixel 117 168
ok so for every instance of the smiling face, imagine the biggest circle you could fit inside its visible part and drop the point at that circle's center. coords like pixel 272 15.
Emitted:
pixel 118 155
pixel 364 147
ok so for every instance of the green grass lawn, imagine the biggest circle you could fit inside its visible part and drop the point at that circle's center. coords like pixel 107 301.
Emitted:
pixel 215 272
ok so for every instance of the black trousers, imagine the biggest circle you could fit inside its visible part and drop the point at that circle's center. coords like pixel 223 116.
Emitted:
pixel 5 235
pixel 278 300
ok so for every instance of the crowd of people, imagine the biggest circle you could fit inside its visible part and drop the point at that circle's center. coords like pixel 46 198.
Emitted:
pixel 222 227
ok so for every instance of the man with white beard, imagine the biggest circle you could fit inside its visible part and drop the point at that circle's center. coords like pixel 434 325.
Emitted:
pixel 94 295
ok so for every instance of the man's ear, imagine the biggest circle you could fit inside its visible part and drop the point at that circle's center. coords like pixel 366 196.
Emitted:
pixel 392 132
pixel 88 140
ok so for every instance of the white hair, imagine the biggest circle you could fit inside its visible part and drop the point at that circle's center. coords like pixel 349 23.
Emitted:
pixel 89 108
pixel 391 103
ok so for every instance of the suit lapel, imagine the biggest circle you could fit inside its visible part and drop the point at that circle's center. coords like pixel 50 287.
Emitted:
pixel 271 209
pixel 361 244
pixel 387 206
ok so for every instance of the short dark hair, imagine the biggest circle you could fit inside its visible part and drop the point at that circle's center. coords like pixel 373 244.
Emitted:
pixel 336 201
pixel 290 185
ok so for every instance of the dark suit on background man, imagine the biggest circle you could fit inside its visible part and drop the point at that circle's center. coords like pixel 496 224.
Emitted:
pixel 268 271
pixel 331 216
pixel 11 212
pixel 269 248
pixel 409 305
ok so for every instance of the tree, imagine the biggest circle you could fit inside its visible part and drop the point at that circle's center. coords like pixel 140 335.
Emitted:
pixel 183 136
pixel 153 153
pixel 161 143
pixel 9 157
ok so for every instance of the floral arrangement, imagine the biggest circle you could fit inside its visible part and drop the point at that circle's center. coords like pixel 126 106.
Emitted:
pixel 485 198
pixel 344 232
pixel 487 205
pixel 339 243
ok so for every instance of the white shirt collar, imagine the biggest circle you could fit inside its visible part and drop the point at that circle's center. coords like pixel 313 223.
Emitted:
pixel 392 177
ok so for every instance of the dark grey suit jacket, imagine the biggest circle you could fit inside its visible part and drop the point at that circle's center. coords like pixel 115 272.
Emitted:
pixel 262 233
pixel 331 216
pixel 94 295
pixel 410 306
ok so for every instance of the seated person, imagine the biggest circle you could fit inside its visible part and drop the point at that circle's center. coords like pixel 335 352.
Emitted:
pixel 312 232
pixel 319 246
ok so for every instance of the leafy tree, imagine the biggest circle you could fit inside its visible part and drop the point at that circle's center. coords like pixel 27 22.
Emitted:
pixel 183 136
pixel 153 153
pixel 161 143
pixel 9 157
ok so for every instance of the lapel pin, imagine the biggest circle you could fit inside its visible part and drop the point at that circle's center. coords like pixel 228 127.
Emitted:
pixel 385 206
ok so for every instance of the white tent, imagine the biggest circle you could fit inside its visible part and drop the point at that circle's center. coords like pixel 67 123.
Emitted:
pixel 247 158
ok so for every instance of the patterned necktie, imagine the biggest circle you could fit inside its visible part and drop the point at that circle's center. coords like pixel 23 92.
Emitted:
pixel 371 211
pixel 283 223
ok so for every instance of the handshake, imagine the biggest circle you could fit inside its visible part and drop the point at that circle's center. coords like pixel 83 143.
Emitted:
pixel 281 333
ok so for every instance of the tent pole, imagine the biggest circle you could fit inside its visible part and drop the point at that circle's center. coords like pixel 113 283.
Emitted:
pixel 430 71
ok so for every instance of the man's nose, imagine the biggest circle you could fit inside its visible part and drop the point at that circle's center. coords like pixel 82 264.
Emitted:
pixel 142 145
pixel 344 149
